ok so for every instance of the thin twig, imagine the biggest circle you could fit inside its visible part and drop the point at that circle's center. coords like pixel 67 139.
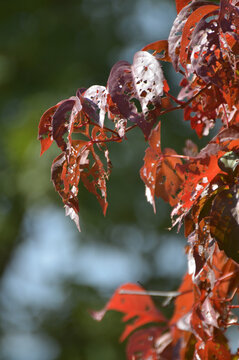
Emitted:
pixel 130 127
pixel 194 97
pixel 104 128
pixel 174 98
pixel 182 104
pixel 171 109
pixel 151 293
pixel 118 139
pixel 227 276
pixel 177 156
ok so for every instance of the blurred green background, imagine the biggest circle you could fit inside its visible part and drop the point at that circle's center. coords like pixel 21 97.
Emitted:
pixel 51 275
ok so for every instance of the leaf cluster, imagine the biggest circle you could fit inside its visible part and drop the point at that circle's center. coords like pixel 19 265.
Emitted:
pixel 201 186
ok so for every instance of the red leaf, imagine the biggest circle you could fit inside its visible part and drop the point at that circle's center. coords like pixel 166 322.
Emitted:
pixel 159 47
pixel 202 112
pixel 216 348
pixel 140 307
pixel 183 303
pixel 60 122
pixel 180 4
pixel 168 183
pixel 189 26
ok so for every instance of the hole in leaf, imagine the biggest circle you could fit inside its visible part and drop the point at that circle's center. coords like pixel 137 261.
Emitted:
pixel 137 104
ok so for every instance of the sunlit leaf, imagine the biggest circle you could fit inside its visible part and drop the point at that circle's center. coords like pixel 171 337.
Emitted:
pixel 138 307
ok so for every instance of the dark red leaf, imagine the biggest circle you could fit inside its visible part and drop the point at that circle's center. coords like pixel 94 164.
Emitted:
pixel 141 344
pixel 224 224
pixel 175 36
pixel 60 122
pixel 137 89
pixel 45 128
pixel 189 27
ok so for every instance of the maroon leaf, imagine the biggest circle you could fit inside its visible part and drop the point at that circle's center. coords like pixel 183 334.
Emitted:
pixel 175 36
pixel 60 122
pixel 137 89
pixel 141 344
pixel 204 11
pixel 206 55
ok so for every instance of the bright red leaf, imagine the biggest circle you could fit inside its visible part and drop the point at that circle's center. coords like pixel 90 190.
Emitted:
pixel 138 307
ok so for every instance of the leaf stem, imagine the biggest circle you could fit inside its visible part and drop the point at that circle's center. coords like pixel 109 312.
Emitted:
pixel 131 127
pixel 153 293
pixel 177 156
pixel 116 139
pixel 174 98
pixel 182 104
pixel 105 128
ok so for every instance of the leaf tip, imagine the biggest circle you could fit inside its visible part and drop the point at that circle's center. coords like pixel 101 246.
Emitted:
pixel 97 315
pixel 69 211
pixel 150 197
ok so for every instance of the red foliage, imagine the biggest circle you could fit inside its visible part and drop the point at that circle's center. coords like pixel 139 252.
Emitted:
pixel 203 187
